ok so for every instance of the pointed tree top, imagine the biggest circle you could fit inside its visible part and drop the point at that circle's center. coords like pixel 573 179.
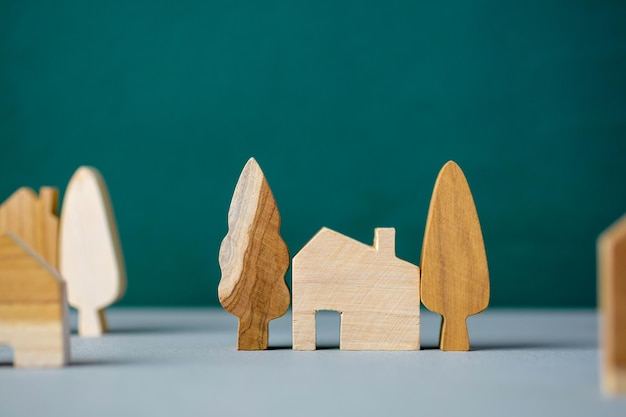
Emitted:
pixel 252 161
pixel 451 171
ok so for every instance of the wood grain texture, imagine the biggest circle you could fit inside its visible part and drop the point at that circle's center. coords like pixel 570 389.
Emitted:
pixel 254 259
pixel 90 253
pixel 376 293
pixel 33 307
pixel 612 291
pixel 34 219
pixel 455 276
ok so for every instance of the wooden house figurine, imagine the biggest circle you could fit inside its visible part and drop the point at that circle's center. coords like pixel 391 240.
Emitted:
pixel 377 294
pixel 33 307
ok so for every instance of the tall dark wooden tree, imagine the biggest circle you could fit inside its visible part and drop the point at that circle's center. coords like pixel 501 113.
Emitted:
pixel 254 259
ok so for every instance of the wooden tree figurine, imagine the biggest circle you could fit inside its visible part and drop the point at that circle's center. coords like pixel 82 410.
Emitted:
pixel 455 277
pixel 90 254
pixel 253 259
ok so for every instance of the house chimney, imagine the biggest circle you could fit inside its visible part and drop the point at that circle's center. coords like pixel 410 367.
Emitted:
pixel 49 198
pixel 385 240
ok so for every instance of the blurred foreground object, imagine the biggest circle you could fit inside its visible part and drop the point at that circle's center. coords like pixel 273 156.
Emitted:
pixel 612 291
pixel 33 307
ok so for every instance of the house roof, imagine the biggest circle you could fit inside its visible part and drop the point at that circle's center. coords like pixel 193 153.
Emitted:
pixel 316 245
pixel 325 232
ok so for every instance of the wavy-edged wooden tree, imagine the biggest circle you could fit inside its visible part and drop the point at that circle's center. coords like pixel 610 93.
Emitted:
pixel 254 259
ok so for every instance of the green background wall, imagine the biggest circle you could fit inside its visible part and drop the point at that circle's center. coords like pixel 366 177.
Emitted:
pixel 350 107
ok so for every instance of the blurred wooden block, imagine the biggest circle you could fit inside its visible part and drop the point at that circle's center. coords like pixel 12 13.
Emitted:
pixel 34 219
pixel 376 293
pixel 455 276
pixel 254 259
pixel 612 291
pixel 90 253
pixel 33 308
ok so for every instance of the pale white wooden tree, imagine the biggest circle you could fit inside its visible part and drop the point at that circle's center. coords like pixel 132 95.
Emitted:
pixel 90 254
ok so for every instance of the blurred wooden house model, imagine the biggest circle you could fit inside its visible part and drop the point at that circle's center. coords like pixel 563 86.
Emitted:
pixel 33 307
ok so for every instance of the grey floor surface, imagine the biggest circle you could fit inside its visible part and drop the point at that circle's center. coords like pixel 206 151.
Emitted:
pixel 182 362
